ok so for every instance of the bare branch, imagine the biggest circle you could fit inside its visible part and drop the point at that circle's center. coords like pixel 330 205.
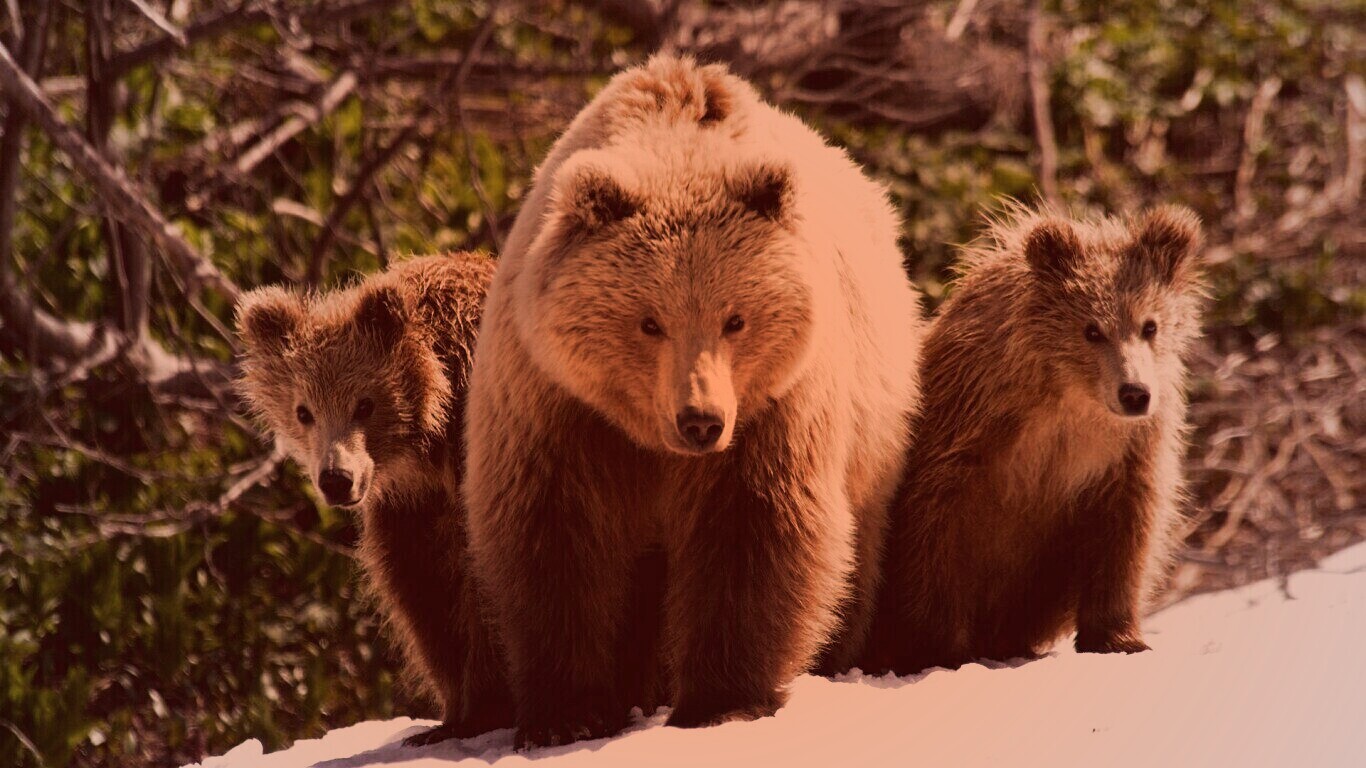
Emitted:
pixel 164 24
pixel 332 225
pixel 164 524
pixel 1349 186
pixel 458 97
pixel 306 116
pixel 117 192
pixel 16 18
pixel 1041 102
pixel 453 83
pixel 19 735
pixel 248 13
pixel 959 22
pixel 1244 206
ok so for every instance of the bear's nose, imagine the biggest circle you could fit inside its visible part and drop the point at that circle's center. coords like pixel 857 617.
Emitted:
pixel 335 485
pixel 699 429
pixel 1134 398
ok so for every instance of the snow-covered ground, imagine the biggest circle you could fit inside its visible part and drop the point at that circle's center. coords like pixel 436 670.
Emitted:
pixel 1273 674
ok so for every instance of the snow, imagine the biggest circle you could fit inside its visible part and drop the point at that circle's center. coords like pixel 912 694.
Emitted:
pixel 1271 674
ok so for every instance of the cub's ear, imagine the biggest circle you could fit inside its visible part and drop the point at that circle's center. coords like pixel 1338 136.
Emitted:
pixel 765 189
pixel 1169 237
pixel 1052 249
pixel 267 318
pixel 592 194
pixel 382 313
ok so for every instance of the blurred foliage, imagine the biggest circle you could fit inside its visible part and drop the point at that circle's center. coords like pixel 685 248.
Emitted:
pixel 169 643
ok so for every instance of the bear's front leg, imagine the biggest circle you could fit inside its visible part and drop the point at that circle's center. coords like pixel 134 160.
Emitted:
pixel 413 548
pixel 756 572
pixel 1117 521
pixel 553 559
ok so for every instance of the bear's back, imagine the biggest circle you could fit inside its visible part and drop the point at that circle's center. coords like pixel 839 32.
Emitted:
pixel 446 294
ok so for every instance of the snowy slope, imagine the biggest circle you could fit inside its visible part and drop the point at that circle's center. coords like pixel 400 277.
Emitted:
pixel 1273 674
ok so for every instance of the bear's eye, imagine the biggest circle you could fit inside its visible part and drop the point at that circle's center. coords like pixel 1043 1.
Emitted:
pixel 650 327
pixel 1093 333
pixel 1149 329
pixel 304 415
pixel 364 408
pixel 734 325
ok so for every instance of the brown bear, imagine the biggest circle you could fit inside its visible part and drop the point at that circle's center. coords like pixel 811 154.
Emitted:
pixel 365 387
pixel 1043 478
pixel 688 411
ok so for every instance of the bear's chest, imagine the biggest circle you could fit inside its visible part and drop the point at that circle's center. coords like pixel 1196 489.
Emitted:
pixel 1060 449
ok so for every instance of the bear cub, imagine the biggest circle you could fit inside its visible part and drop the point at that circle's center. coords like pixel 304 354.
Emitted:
pixel 1044 476
pixel 365 388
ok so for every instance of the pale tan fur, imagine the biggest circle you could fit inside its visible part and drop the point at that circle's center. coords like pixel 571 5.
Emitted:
pixel 646 211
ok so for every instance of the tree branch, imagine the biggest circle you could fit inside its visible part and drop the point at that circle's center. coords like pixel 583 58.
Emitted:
pixel 27 325
pixel 454 82
pixel 245 15
pixel 306 116
pixel 1041 103
pixel 72 348
pixel 114 188
pixel 161 22
pixel 1244 206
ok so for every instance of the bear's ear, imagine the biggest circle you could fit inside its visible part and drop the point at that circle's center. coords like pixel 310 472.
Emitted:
pixel 267 317
pixel 1169 238
pixel 592 197
pixel 1052 249
pixel 765 189
pixel 381 312
pixel 717 100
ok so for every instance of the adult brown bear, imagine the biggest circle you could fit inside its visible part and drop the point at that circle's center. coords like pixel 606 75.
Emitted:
pixel 696 362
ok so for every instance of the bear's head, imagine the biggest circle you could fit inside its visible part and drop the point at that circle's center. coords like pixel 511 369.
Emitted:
pixel 1117 303
pixel 347 382
pixel 673 295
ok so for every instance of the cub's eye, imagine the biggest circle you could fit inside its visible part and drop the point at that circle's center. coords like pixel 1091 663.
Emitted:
pixel 734 325
pixel 1149 329
pixel 1093 333
pixel 364 408
pixel 304 415
pixel 649 327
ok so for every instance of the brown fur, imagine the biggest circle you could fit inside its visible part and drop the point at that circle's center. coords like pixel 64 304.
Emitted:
pixel 402 340
pixel 1029 507
pixel 579 477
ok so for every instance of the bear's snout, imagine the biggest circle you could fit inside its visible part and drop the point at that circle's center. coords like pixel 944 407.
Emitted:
pixel 336 486
pixel 701 430
pixel 1134 398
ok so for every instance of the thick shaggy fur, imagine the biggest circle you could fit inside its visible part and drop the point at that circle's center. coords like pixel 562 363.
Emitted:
pixel 379 373
pixel 686 247
pixel 1031 505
